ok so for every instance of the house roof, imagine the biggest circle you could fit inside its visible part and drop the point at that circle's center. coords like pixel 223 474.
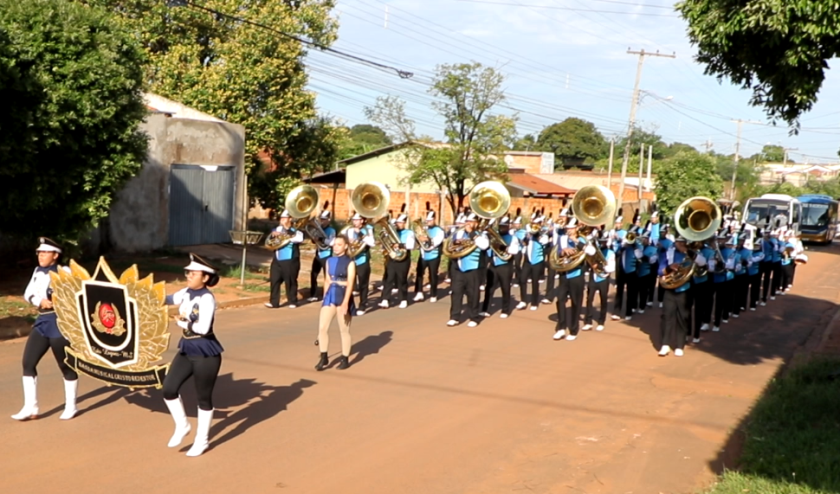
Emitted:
pixel 388 149
pixel 159 104
pixel 333 177
pixel 537 186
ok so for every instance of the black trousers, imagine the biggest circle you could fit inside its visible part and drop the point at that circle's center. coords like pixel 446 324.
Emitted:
pixel 569 288
pixel 318 264
pixel 602 289
pixel 703 295
pixel 499 276
pixel 740 287
pixel 517 268
pixel 532 272
pixel 620 285
pixel 35 349
pixel 204 371
pixel 483 266
pixel 787 276
pixel 778 273
pixel 397 277
pixel 433 266
pixel 549 282
pixel 363 282
pixel 675 317
pixel 660 292
pixel 644 289
pixel 285 272
pixel 464 283
pixel 792 273
pixel 651 290
pixel 631 281
pixel 723 300
pixel 754 281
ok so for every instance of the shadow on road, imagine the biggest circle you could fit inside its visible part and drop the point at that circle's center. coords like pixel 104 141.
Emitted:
pixel 370 345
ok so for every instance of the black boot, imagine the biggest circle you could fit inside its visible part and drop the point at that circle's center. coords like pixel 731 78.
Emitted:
pixel 322 364
pixel 343 363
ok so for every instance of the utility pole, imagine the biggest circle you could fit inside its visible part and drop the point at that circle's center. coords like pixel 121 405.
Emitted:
pixel 784 163
pixel 633 106
pixel 610 167
pixel 708 145
pixel 641 167
pixel 737 155
pixel 650 163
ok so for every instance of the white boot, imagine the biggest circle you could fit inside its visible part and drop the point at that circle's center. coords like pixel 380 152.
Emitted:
pixel 182 425
pixel 70 389
pixel 30 399
pixel 201 433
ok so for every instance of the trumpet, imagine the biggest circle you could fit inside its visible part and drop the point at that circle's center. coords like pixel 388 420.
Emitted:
pixel 593 205
pixel 489 200
pixel 696 219
pixel 300 203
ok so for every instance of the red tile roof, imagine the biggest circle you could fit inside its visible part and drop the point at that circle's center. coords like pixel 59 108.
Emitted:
pixel 538 186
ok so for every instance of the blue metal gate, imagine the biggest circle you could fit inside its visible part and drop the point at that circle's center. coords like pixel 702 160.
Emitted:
pixel 200 204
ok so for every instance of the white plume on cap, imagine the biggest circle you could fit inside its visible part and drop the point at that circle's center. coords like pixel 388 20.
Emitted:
pixel 472 217
pixel 357 216
pixel 325 215
pixel 401 218
pixel 430 215
pixel 285 214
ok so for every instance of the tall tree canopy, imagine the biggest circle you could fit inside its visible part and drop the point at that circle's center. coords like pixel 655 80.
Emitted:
pixel 778 49
pixel 572 141
pixel 686 175
pixel 70 82
pixel 239 72
pixel 467 94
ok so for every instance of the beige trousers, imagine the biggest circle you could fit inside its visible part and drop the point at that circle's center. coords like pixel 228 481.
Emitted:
pixel 328 313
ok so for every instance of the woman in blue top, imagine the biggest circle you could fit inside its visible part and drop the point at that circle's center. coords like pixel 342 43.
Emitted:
pixel 199 353
pixel 338 303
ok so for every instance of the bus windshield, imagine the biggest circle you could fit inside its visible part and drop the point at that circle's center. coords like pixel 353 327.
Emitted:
pixel 760 209
pixel 815 214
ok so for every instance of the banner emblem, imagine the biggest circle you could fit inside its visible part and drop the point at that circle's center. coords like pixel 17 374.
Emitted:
pixel 117 327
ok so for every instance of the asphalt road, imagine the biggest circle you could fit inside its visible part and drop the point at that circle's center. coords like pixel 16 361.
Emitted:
pixel 424 408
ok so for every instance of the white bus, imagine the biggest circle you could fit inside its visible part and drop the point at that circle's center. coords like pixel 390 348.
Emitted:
pixel 772 207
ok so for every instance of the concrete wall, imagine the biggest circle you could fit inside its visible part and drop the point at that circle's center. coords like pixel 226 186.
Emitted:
pixel 386 169
pixel 139 219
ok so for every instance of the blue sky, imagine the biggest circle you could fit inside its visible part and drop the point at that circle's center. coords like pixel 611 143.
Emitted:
pixel 558 63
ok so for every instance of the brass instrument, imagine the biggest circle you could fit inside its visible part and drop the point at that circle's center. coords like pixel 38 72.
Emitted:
pixel 696 219
pixel 371 200
pixel 300 203
pixel 489 200
pixel 421 233
pixel 592 205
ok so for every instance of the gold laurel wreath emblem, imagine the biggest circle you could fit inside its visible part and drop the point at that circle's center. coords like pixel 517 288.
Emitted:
pixel 152 326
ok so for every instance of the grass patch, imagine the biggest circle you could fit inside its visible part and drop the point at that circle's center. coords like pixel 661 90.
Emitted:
pixel 236 272
pixel 254 287
pixel 9 307
pixel 792 443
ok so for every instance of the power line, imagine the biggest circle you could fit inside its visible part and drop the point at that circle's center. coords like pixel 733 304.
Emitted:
pixel 573 9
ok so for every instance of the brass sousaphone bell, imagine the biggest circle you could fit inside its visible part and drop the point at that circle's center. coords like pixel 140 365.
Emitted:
pixel 300 202
pixel 696 219
pixel 371 201
pixel 489 200
pixel 592 206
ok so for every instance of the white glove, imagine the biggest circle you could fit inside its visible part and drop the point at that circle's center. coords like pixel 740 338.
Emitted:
pixel 638 253
pixel 544 239
pixel 654 259
pixel 730 264
pixel 183 324
pixel 711 264
pixel 700 259
pixel 590 250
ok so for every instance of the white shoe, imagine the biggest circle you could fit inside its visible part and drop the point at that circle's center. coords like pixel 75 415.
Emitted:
pixel 665 350
pixel 384 304
pixel 515 285
pixel 726 321
pixel 360 312
pixel 533 307
pixel 660 305
pixel 355 293
pixel 650 304
pixel 773 297
pixel 615 317
pixel 556 276
pixel 752 309
pixel 427 286
pixel 546 301
pixel 30 399
pixel 560 334
pixel 696 340
pixel 628 318
pixel 503 315
pixel 205 417
pixel 312 299
pixel 452 322
pixel 481 287
pixel 395 291
pixel 418 297
pixel 716 329
pixel 70 390
pixel 763 304
pixel 542 281
pixel 447 280
pixel 521 306
pixel 433 300
pixel 633 311
pixel 736 316
pixel 472 324
pixel 292 306
pixel 484 314
pixel 784 292
pixel 640 311
pixel 182 425
pixel 679 352
pixel 599 327
pixel 403 304
pixel 571 337
pixel 704 327
pixel 586 327
pixel 268 304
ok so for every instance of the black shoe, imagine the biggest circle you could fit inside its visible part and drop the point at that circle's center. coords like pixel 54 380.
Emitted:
pixel 343 363
pixel 323 363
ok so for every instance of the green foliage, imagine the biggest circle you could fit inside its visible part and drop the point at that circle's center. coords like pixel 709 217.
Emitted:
pixel 525 143
pixel 639 137
pixel 778 49
pixel 241 73
pixel 683 176
pixel 773 154
pixel 361 139
pixel 828 187
pixel 467 94
pixel 573 141
pixel 70 82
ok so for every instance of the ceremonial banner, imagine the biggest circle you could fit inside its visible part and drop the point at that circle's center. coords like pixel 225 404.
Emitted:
pixel 117 327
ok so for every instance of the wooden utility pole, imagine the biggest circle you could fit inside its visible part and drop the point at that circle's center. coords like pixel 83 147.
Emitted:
pixel 633 106
pixel 641 167
pixel 785 160
pixel 737 155
pixel 610 167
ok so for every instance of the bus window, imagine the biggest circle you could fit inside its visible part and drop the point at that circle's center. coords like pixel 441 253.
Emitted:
pixel 815 215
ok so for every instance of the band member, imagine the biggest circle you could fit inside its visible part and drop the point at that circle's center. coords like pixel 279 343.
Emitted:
pixel 556 229
pixel 666 240
pixel 778 248
pixel 703 295
pixel 722 267
pixel 519 233
pixel 386 265
pixel 199 353
pixel 429 258
pixel 740 285
pixel 45 336
pixel 285 265
pixel 338 303
pixel 629 254
pixel 675 310
pixel 534 264
pixel 570 285
pixel 788 252
pixel 599 283
pixel 768 246
pixel 500 273
pixel 459 223
pixel 616 236
pixel 321 255
pixel 754 269
pixel 465 273
pixel 398 270
pixel 646 270
pixel 362 233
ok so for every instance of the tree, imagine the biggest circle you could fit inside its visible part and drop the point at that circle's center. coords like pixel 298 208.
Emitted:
pixel 466 95
pixel 529 143
pixel 683 176
pixel 572 141
pixel 640 136
pixel 777 49
pixel 361 139
pixel 676 147
pixel 772 154
pixel 70 80
pixel 237 71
